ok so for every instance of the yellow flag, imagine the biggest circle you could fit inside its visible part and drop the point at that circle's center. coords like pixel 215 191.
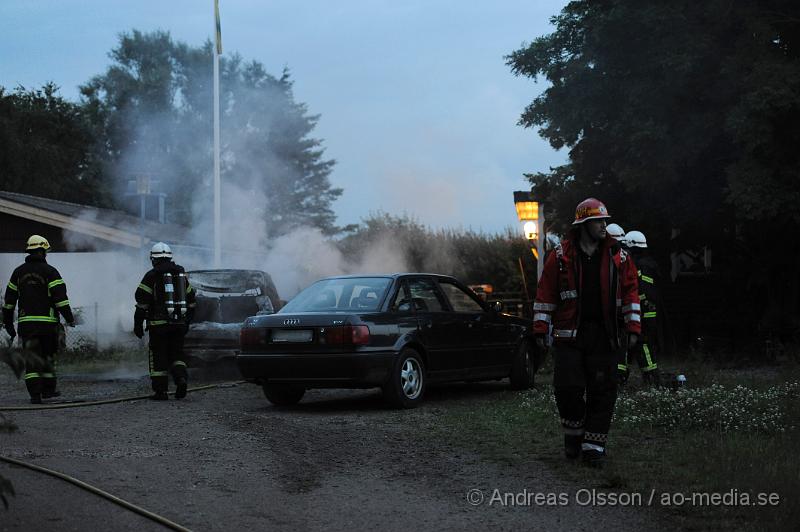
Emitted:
pixel 219 27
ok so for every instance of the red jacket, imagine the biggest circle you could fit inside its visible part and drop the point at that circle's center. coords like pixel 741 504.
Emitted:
pixel 557 296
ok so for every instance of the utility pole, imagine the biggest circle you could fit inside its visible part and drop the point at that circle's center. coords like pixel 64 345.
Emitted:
pixel 217 205
pixel 142 190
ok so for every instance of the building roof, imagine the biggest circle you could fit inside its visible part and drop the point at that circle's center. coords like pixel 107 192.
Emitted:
pixel 106 224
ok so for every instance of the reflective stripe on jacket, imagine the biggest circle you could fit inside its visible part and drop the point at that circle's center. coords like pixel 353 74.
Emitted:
pixel 649 295
pixel 40 293
pixel 148 304
pixel 557 303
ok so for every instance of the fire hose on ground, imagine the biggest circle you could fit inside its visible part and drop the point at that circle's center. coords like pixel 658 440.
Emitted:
pixel 97 491
pixel 88 487
pixel 76 404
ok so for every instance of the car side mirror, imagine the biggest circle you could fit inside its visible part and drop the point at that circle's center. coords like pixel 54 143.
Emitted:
pixel 497 306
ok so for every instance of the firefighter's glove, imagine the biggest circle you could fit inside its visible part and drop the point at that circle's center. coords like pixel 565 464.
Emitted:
pixel 622 375
pixel 10 330
pixel 138 329
pixel 633 339
pixel 540 342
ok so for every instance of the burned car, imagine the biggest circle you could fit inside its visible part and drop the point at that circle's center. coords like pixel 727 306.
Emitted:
pixel 225 298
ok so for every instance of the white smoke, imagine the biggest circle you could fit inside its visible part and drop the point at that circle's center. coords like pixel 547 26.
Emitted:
pixel 305 255
pixel 102 278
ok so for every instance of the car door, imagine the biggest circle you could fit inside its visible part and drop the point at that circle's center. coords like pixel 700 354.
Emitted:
pixel 473 325
pixel 438 328
pixel 399 319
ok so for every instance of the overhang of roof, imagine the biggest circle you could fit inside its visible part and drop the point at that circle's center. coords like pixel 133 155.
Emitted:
pixel 106 224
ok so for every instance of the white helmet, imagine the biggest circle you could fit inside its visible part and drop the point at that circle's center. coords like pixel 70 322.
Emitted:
pixel 160 251
pixel 37 242
pixel 636 239
pixel 616 231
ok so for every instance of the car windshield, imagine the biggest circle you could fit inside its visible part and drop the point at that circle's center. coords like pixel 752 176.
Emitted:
pixel 340 295
pixel 229 296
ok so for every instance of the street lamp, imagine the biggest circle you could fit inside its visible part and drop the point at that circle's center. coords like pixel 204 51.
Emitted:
pixel 528 212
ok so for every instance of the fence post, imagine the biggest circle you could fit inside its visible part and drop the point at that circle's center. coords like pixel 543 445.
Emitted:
pixel 96 328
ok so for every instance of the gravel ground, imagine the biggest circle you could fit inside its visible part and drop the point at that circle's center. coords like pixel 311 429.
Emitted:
pixel 225 458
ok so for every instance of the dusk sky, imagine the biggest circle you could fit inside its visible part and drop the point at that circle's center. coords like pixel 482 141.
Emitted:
pixel 417 105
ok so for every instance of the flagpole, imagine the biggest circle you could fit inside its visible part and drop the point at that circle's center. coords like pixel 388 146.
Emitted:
pixel 217 206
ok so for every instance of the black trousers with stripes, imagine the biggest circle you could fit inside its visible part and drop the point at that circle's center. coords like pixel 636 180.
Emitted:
pixel 166 356
pixel 585 382
pixel 40 365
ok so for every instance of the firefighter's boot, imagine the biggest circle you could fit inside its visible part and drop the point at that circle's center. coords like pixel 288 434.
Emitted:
pixel 572 446
pixel 593 457
pixel 180 391
pixel 651 378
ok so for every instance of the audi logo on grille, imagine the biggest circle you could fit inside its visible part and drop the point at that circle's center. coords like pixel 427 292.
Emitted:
pixel 291 321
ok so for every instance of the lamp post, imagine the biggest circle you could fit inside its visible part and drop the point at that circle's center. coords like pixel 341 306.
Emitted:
pixel 531 216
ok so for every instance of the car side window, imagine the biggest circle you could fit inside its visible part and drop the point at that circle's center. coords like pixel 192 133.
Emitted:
pixel 402 300
pixel 424 296
pixel 459 299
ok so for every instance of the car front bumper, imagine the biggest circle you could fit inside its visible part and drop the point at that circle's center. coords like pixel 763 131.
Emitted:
pixel 339 370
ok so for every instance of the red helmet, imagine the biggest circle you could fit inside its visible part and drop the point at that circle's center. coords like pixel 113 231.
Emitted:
pixel 590 209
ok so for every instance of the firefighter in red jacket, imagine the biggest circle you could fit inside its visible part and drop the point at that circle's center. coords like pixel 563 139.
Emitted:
pixel 41 294
pixel 587 290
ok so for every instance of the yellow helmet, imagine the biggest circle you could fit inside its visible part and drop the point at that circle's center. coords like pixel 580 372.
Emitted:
pixel 37 242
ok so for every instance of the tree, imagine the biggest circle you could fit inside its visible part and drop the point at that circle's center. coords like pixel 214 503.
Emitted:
pixel 667 102
pixel 474 258
pixel 153 108
pixel 677 114
pixel 45 147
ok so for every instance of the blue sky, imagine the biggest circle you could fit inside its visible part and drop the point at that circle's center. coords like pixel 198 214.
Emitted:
pixel 417 104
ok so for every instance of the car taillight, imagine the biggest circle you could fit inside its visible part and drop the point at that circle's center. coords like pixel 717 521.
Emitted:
pixel 345 335
pixel 251 337
pixel 360 334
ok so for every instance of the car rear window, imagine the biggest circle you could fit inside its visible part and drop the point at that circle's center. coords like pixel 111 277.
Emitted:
pixel 242 282
pixel 340 295
pixel 229 296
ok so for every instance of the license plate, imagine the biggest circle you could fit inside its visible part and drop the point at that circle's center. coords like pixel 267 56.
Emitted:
pixel 297 336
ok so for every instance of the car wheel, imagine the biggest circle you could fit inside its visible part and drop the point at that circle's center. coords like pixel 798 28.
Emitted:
pixel 406 384
pixel 283 394
pixel 523 368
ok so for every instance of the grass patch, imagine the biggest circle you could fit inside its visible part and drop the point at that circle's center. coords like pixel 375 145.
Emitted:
pixel 735 437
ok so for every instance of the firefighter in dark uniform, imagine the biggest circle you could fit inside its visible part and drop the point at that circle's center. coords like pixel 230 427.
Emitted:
pixel 41 294
pixel 166 300
pixel 650 299
pixel 587 286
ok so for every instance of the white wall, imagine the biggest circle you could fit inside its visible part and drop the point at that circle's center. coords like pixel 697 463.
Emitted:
pixel 98 283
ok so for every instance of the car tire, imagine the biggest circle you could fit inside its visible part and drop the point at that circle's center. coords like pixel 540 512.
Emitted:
pixel 406 385
pixel 283 394
pixel 523 368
